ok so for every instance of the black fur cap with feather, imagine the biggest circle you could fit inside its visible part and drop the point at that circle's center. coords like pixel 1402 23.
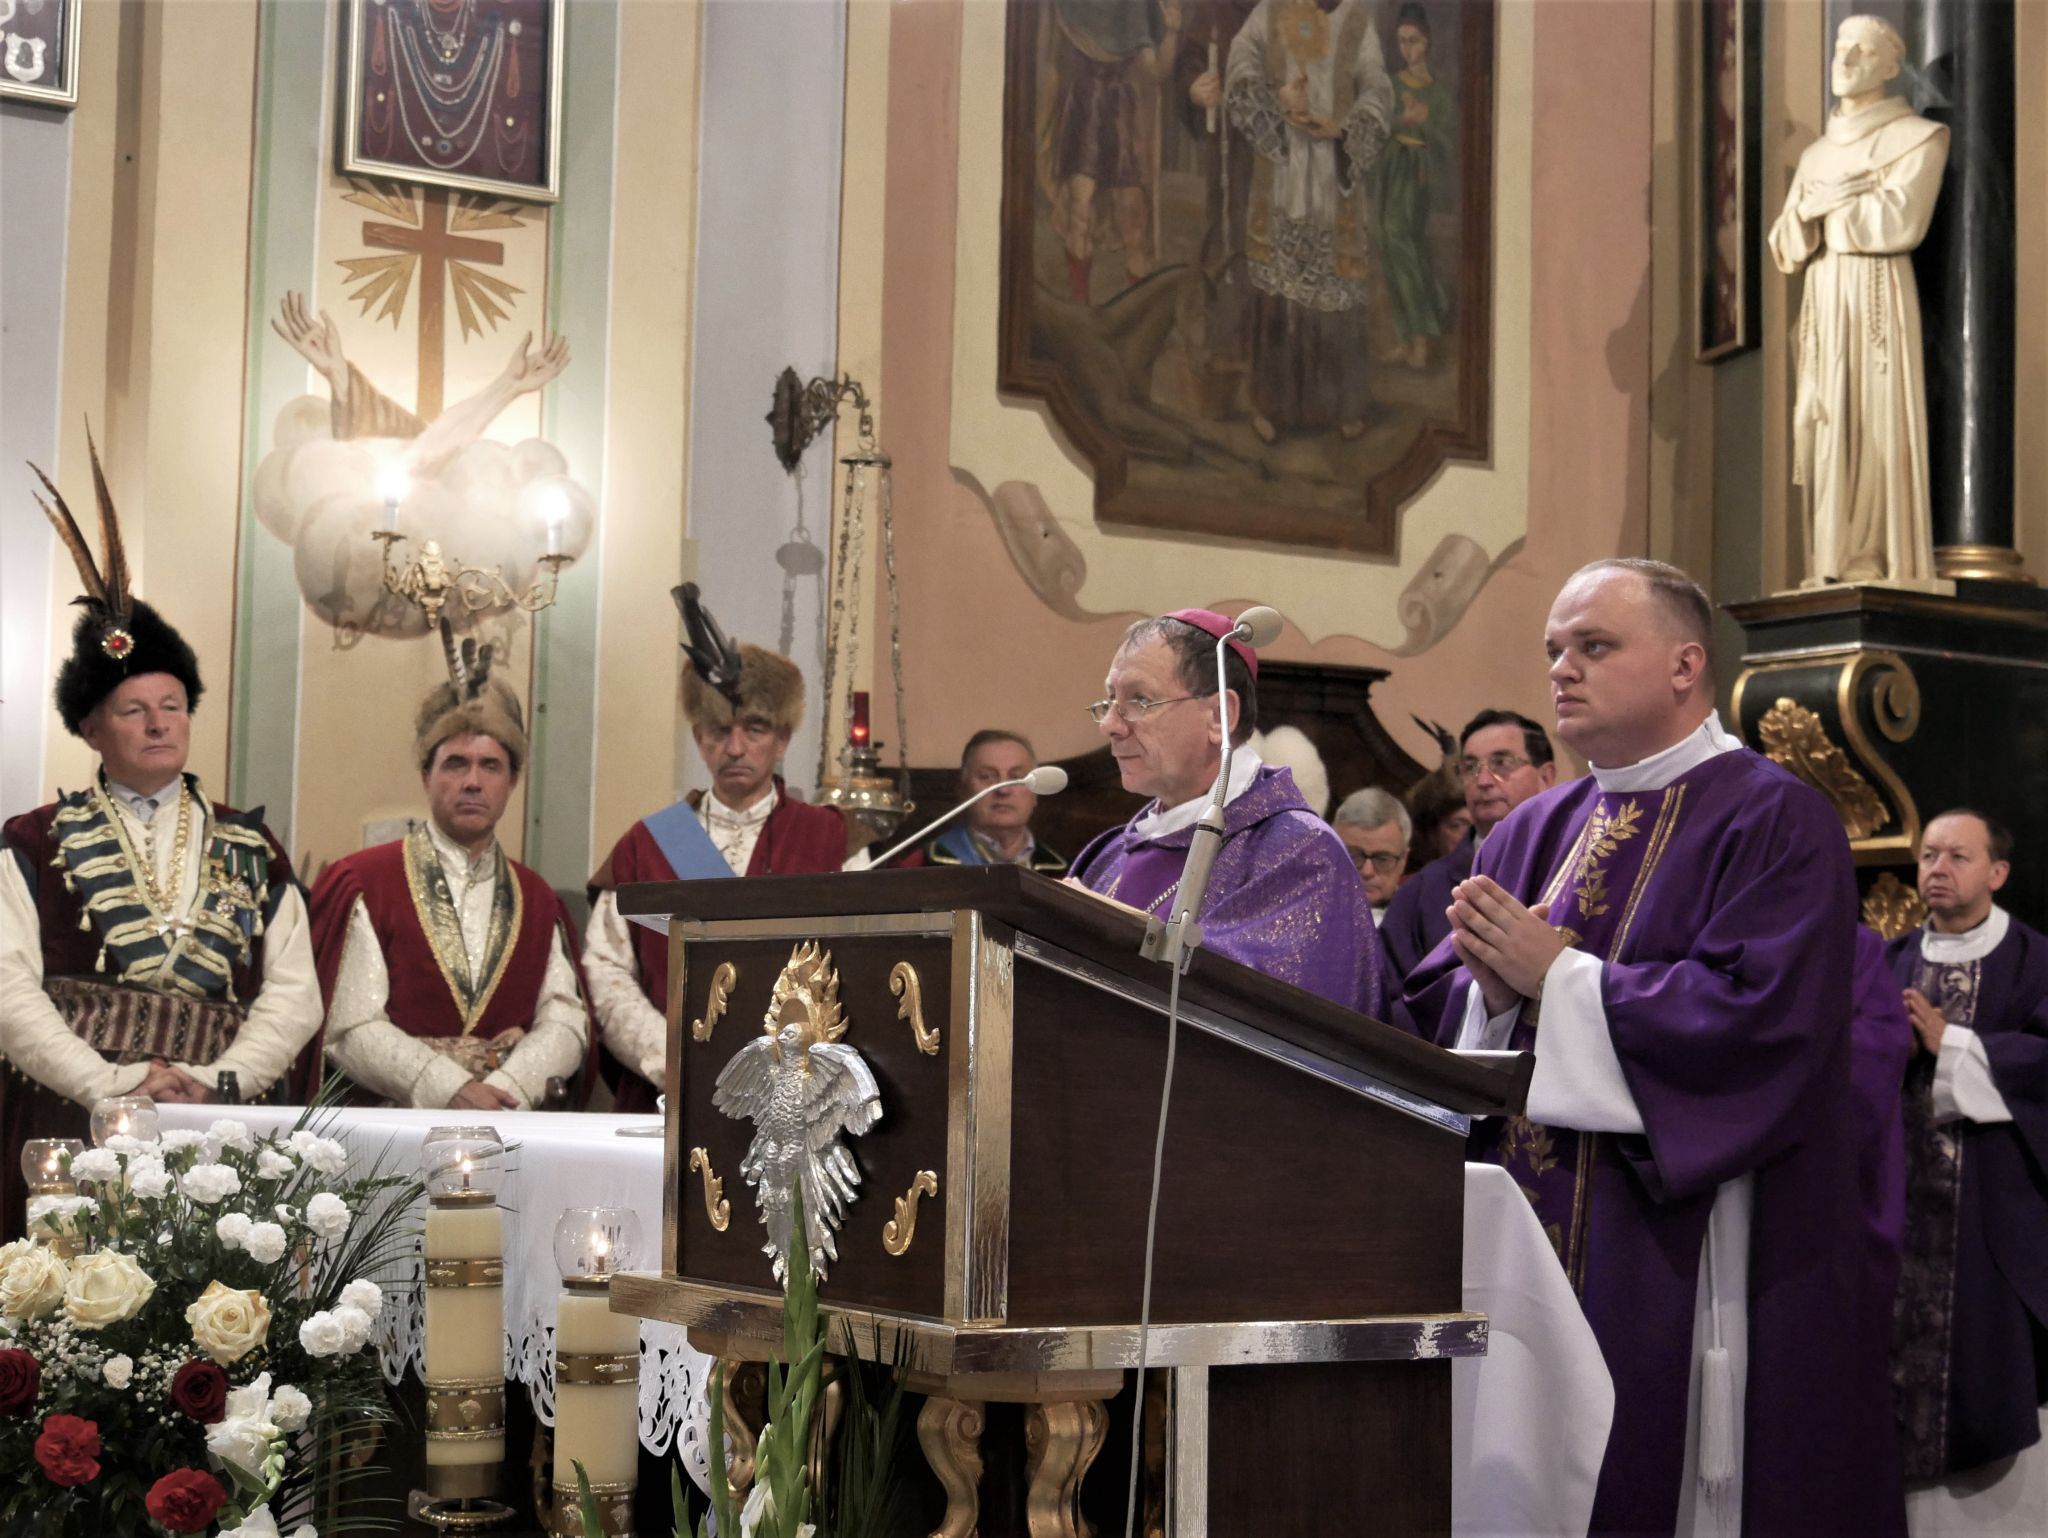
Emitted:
pixel 118 637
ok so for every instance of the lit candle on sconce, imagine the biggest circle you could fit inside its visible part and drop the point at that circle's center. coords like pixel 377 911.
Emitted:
pixel 124 1116
pixel 597 1369
pixel 46 1166
pixel 392 485
pixel 465 1319
pixel 554 511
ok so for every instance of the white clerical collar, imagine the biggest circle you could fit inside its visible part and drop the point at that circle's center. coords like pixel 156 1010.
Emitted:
pixel 144 808
pixel 1682 757
pixel 456 860
pixel 1244 764
pixel 716 810
pixel 1971 944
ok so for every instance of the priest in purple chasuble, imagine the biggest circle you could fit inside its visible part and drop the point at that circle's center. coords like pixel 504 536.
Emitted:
pixel 1283 897
pixel 1673 936
pixel 449 967
pixel 1970 1353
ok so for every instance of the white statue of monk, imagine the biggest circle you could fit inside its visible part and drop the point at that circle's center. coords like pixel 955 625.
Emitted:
pixel 1860 202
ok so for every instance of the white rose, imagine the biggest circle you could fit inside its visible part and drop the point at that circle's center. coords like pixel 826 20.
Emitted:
pixel 272 1165
pixel 367 1296
pixel 230 1134
pixel 244 1442
pixel 233 1229
pixel 327 1215
pixel 290 1409
pixel 10 1253
pixel 355 1327
pixel 258 1524
pixel 180 1139
pixel 265 1242
pixel 95 1164
pixel 209 1183
pixel 119 1371
pixel 148 1178
pixel 228 1322
pixel 106 1287
pixel 322 1335
pixel 33 1283
pixel 326 1155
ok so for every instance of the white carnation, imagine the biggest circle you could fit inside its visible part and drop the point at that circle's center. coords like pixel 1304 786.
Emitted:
pixel 95 1164
pixel 233 1229
pixel 325 1155
pixel 323 1335
pixel 290 1409
pixel 180 1139
pixel 367 1296
pixel 119 1371
pixel 231 1134
pixel 261 1524
pixel 327 1215
pixel 129 1146
pixel 210 1183
pixel 355 1327
pixel 265 1242
pixel 272 1165
pixel 148 1178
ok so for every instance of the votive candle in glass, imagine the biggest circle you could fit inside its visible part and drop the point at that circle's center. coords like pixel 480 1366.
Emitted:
pixel 597 1369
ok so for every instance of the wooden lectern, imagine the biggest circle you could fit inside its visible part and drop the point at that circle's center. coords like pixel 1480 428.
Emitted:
pixel 1307 1293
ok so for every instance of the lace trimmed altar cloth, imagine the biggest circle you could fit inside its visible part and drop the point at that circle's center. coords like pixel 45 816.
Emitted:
pixel 557 1160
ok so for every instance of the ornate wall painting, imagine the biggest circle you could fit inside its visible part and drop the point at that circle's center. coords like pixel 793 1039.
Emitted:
pixel 1727 171
pixel 1241 334
pixel 39 51
pixel 456 93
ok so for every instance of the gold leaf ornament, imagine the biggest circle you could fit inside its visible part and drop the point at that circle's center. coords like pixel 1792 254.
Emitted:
pixel 1794 737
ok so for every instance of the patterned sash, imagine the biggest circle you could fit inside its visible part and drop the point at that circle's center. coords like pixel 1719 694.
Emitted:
pixel 1924 1312
pixel 441 923
pixel 133 1025
pixel 195 955
pixel 1593 896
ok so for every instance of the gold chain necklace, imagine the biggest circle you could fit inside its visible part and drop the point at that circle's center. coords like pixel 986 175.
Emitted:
pixel 162 899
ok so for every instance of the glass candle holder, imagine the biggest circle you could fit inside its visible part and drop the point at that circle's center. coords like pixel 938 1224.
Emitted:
pixel 124 1116
pixel 46 1165
pixel 463 1165
pixel 597 1368
pixel 591 1243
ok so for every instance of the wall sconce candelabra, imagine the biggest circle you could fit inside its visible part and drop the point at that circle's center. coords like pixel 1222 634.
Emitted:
pixel 852 778
pixel 433 580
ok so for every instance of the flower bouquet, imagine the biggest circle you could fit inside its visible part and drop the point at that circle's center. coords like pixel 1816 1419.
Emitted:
pixel 201 1367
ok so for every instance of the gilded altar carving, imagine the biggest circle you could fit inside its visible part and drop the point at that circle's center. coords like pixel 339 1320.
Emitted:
pixel 1892 908
pixel 901 1229
pixel 903 982
pixel 716 1208
pixel 949 1430
pixel 1794 737
pixel 722 982
pixel 1060 1442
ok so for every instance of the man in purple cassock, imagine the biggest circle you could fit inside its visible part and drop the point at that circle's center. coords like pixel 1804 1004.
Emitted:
pixel 1970 1351
pixel 1283 896
pixel 1673 936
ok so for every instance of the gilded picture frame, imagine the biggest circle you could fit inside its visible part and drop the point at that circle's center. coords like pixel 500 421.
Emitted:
pixel 1727 177
pixel 475 106
pixel 39 53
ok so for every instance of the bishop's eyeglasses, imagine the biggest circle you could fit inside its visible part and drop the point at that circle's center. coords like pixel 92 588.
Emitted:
pixel 1137 708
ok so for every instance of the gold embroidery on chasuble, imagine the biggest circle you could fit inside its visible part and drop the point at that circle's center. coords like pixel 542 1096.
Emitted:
pixel 433 903
pixel 1592 878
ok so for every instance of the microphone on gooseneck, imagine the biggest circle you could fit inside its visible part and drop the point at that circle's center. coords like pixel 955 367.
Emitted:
pixel 1045 780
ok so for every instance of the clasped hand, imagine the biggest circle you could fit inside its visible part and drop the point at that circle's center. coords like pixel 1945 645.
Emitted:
pixel 1507 947
pixel 1928 1023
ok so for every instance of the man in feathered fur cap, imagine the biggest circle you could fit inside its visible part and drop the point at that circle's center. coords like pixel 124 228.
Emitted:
pixel 742 703
pixel 448 966
pixel 151 942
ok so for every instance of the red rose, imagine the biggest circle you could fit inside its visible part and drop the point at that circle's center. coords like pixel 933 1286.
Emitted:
pixel 186 1500
pixel 200 1390
pixel 21 1375
pixel 69 1450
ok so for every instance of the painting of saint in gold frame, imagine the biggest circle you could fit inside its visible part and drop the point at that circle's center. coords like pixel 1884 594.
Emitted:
pixel 1726 176
pixel 1247 254
pixel 39 51
pixel 455 93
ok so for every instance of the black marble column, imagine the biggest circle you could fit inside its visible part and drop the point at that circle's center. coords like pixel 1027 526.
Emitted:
pixel 1966 274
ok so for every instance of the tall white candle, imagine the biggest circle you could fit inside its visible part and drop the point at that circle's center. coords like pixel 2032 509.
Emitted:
pixel 597 1424
pixel 466 1322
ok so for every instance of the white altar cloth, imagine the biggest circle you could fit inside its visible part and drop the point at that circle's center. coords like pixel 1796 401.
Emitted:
pixel 1529 1419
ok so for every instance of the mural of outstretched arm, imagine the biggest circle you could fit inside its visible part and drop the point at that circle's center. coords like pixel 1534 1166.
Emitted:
pixel 317 341
pixel 525 371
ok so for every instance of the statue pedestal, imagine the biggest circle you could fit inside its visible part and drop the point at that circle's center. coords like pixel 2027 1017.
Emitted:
pixel 1898 705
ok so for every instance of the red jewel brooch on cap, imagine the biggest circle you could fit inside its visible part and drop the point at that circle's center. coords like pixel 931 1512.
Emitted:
pixel 116 642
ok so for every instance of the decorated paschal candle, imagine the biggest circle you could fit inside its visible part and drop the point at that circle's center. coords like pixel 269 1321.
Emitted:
pixel 597 1369
pixel 465 1312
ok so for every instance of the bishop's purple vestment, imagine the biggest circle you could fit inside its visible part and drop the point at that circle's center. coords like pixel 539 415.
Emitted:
pixel 1283 897
pixel 1970 1360
pixel 1721 909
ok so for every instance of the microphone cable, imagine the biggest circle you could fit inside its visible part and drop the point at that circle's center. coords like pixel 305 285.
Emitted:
pixel 1145 1296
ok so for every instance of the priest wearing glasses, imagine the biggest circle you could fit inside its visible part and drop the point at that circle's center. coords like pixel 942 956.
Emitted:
pixel 1283 897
